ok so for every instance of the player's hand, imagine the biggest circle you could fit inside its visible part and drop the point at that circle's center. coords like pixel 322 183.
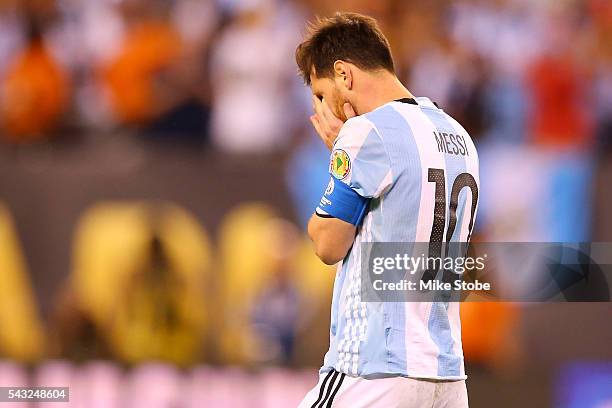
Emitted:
pixel 326 123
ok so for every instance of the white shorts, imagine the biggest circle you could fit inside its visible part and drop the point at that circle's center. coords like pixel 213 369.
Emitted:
pixel 341 391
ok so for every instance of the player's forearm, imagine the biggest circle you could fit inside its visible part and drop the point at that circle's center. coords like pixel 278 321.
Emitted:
pixel 332 238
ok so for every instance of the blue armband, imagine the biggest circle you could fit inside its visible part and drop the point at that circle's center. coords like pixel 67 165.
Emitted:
pixel 342 202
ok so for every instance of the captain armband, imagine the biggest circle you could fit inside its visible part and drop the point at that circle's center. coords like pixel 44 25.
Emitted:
pixel 342 202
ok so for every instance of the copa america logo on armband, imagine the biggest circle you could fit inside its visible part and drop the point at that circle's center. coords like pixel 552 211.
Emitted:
pixel 330 187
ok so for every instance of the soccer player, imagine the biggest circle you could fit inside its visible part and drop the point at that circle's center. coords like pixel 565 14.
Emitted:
pixel 402 170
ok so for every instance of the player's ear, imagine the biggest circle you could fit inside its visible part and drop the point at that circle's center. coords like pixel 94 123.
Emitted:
pixel 343 70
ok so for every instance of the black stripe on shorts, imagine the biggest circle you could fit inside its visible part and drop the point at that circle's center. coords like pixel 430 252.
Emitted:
pixel 314 405
pixel 333 395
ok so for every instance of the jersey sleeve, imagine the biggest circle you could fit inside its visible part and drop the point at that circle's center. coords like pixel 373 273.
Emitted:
pixel 359 159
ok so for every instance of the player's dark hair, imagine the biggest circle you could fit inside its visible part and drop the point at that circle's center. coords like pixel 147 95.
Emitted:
pixel 349 37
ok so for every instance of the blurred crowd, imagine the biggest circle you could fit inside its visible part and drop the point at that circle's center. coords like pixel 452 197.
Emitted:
pixel 530 80
pixel 153 67
pixel 222 71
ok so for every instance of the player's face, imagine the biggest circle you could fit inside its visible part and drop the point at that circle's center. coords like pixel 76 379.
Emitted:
pixel 326 89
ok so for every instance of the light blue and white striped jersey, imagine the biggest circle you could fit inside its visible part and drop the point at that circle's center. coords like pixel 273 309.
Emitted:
pixel 394 151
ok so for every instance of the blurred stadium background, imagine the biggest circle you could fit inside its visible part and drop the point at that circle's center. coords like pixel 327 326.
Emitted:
pixel 157 169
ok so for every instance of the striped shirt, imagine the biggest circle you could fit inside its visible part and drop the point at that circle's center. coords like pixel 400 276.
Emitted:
pixel 393 151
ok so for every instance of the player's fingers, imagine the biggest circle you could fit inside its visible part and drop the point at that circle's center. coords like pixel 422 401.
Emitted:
pixel 316 125
pixel 349 112
pixel 323 131
pixel 329 114
pixel 321 117
pixel 325 127
pixel 317 106
pixel 320 120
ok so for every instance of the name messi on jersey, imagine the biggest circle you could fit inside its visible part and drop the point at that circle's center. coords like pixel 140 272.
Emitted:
pixel 451 144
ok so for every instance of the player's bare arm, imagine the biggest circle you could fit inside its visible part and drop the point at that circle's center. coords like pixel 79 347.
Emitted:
pixel 332 238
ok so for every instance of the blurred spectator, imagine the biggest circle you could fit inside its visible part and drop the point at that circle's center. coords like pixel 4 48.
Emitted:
pixel 449 72
pixel 185 86
pixel 34 90
pixel 138 287
pixel 306 175
pixel 490 335
pixel 559 89
pixel 276 308
pixel 558 117
pixel 150 45
pixel 254 78
pixel 271 287
pixel 434 72
pixel 196 20
pixel 156 321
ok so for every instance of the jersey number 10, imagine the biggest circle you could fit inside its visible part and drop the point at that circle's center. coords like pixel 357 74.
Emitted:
pixel 439 220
